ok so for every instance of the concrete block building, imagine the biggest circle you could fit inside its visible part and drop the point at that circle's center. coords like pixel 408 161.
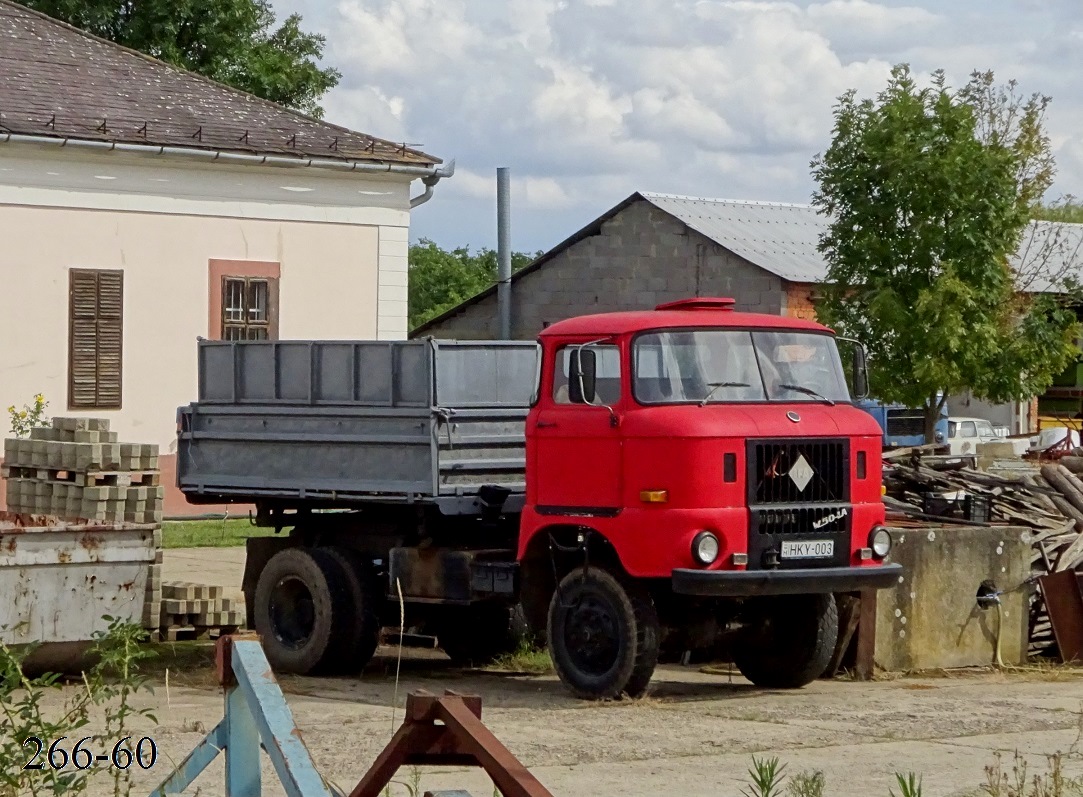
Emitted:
pixel 654 248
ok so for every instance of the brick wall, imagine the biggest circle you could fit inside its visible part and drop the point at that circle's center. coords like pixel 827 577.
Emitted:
pixel 640 258
pixel 799 301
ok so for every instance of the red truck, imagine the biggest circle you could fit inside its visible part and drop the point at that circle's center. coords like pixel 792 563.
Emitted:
pixel 633 486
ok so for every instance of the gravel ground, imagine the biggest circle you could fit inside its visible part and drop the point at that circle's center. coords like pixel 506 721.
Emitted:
pixel 693 735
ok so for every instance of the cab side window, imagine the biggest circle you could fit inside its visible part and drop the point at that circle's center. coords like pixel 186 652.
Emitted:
pixel 607 380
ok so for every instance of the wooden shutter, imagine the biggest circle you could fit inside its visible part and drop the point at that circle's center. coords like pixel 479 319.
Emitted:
pixel 96 339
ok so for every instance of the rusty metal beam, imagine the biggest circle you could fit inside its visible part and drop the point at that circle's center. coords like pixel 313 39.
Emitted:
pixel 447 731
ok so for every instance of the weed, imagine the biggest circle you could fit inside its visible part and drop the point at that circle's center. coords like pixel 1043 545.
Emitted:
pixel 525 658
pixel 31 416
pixel 909 785
pixel 765 778
pixel 1017 783
pixel 806 784
pixel 61 762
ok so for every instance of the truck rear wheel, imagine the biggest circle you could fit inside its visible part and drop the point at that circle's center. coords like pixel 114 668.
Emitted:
pixel 789 641
pixel 303 611
pixel 364 636
pixel 603 636
pixel 478 634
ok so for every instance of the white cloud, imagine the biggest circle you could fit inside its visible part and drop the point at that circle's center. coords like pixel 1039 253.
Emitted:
pixel 589 100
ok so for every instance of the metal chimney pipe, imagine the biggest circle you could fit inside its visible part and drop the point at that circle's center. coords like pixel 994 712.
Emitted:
pixel 503 249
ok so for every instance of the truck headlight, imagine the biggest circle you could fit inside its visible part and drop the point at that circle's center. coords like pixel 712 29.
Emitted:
pixel 705 548
pixel 880 542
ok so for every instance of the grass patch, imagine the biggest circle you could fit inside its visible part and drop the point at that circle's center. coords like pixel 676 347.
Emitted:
pixel 526 658
pixel 210 533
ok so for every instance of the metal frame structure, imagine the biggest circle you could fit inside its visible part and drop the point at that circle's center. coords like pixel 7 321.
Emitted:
pixel 448 731
pixel 437 731
pixel 256 715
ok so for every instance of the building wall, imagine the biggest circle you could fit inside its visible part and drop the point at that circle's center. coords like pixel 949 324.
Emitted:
pixel 340 244
pixel 640 258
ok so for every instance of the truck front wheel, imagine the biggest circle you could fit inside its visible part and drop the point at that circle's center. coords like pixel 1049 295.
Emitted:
pixel 789 640
pixel 304 611
pixel 603 636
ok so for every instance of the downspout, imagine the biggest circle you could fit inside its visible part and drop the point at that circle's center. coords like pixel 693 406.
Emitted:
pixel 430 183
pixel 436 171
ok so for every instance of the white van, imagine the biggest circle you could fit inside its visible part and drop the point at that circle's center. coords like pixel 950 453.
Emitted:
pixel 964 434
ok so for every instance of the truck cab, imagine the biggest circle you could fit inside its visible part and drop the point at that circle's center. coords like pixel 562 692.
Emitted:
pixel 697 461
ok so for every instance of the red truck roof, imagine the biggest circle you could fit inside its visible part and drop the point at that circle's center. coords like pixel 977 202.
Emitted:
pixel 693 313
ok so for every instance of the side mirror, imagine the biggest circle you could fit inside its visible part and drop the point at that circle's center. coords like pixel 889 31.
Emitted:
pixel 861 373
pixel 583 376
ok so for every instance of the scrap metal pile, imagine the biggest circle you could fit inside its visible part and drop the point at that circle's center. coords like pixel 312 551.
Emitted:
pixel 1047 499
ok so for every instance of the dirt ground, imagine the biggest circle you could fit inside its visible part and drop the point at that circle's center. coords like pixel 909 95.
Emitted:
pixel 694 735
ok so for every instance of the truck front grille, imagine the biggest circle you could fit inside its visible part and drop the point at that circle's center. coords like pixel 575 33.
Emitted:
pixel 798 472
pixel 905 423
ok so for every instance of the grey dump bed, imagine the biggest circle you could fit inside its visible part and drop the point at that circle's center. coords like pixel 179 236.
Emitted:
pixel 347 421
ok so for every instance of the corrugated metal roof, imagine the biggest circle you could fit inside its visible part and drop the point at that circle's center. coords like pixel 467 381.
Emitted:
pixel 777 237
pixel 783 239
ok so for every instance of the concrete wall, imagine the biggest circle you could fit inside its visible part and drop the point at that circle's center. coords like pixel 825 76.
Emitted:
pixel 930 620
pixel 640 258
pixel 1015 415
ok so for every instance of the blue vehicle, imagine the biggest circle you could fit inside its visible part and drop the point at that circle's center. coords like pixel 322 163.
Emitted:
pixel 903 426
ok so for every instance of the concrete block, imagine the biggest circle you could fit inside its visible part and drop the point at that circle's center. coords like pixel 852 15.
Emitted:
pixel 931 619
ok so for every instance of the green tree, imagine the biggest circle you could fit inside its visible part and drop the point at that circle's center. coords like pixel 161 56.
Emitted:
pixel 235 42
pixel 441 279
pixel 926 211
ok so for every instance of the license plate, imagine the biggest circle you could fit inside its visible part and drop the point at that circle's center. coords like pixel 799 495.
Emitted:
pixel 808 549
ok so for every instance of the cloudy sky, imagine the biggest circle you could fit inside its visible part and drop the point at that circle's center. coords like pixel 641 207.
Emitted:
pixel 590 100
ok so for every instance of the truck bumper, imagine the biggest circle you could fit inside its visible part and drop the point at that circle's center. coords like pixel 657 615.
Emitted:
pixel 747 583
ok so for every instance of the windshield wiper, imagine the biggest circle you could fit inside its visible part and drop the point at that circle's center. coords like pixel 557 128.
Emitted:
pixel 716 386
pixel 808 391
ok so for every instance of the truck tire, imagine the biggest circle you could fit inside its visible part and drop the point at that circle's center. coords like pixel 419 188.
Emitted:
pixel 478 634
pixel 789 642
pixel 303 611
pixel 360 644
pixel 603 635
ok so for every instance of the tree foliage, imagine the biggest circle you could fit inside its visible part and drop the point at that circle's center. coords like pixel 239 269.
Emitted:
pixel 929 192
pixel 235 42
pixel 441 279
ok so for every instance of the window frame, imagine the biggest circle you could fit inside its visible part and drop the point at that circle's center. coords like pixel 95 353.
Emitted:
pixel 267 325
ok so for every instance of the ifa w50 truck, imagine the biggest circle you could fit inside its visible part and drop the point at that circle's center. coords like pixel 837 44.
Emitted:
pixel 632 486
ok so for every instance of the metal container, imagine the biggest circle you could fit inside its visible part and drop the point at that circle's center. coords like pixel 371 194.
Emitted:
pixel 60 578
pixel 349 421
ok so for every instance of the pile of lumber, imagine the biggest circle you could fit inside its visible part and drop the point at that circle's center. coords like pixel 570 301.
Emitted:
pixel 1048 499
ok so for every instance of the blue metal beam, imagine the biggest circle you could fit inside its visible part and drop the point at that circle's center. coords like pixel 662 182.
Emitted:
pixel 277 728
pixel 194 763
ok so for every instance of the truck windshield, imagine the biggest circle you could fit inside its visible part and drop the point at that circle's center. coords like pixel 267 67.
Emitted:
pixel 717 365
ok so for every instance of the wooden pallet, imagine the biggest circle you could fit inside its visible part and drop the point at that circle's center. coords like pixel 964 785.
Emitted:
pixel 104 478
pixel 194 632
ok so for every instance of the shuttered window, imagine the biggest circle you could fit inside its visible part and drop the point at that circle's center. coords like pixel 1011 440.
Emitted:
pixel 95 339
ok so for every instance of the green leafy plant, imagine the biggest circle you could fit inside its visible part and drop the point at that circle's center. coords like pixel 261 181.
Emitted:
pixel 29 416
pixel 64 757
pixel 807 784
pixel 527 657
pixel 765 778
pixel 929 192
pixel 909 785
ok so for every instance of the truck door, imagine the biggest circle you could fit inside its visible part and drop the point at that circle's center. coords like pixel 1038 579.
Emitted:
pixel 578 446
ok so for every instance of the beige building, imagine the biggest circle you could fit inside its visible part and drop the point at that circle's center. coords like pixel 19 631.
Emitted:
pixel 142 207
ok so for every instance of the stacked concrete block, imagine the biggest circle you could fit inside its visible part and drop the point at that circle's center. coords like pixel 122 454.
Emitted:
pixel 77 469
pixel 196 611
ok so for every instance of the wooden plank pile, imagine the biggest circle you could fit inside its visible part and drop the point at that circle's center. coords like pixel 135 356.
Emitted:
pixel 1048 499
pixel 196 611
